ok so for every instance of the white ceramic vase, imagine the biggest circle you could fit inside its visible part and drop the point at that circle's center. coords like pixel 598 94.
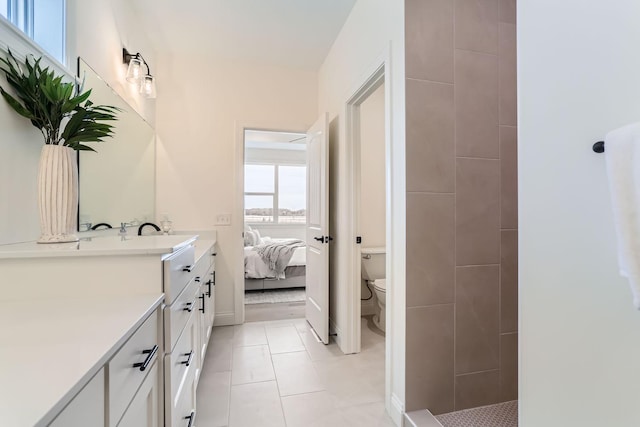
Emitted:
pixel 58 194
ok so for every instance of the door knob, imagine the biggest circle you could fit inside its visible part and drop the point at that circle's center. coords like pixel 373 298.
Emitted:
pixel 319 239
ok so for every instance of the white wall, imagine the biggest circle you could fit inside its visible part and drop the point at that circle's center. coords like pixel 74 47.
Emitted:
pixel 97 31
pixel 373 28
pixel 199 119
pixel 372 183
pixel 102 27
pixel 372 167
pixel 579 334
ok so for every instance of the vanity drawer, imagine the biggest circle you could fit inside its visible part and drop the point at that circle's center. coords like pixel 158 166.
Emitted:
pixel 202 266
pixel 129 367
pixel 144 411
pixel 178 270
pixel 177 314
pixel 185 411
pixel 179 366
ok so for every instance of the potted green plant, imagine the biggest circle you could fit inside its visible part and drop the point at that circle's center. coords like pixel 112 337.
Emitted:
pixel 67 120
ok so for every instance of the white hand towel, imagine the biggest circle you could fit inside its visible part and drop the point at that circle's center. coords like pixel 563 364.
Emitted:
pixel 622 153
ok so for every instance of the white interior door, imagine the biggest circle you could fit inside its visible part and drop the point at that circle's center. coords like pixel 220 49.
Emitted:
pixel 317 304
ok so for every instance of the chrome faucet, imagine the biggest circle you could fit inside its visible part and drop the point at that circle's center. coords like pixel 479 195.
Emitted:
pixel 123 228
pixel 144 225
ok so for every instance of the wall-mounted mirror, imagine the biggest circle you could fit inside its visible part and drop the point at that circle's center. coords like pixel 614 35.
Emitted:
pixel 117 184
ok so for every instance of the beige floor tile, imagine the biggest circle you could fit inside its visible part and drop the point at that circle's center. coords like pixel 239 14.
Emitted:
pixel 249 334
pixel 284 339
pixel 222 333
pixel 349 380
pixel 213 396
pixel 370 415
pixel 302 325
pixel 317 350
pixel 295 373
pixel 311 410
pixel 218 358
pixel 254 405
pixel 259 353
pixel 251 364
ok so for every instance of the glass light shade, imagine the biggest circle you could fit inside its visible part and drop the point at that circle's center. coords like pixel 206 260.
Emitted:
pixel 134 72
pixel 148 86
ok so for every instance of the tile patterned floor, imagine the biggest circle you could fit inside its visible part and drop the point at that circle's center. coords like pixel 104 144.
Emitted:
pixel 500 415
pixel 276 374
pixel 273 296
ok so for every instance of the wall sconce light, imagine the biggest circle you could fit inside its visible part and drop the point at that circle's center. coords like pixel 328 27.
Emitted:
pixel 146 82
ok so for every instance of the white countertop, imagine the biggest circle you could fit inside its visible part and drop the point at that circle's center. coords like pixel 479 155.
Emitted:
pixel 50 348
pixel 100 246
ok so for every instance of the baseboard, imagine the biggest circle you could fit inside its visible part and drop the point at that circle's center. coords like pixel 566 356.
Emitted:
pixel 368 308
pixel 396 410
pixel 421 418
pixel 224 319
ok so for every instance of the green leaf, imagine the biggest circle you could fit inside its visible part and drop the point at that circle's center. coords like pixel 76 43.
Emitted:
pixel 49 103
pixel 16 105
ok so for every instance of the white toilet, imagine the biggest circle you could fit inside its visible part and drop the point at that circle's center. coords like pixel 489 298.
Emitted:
pixel 373 271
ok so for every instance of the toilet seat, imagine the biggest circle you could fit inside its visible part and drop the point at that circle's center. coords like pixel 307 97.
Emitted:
pixel 380 285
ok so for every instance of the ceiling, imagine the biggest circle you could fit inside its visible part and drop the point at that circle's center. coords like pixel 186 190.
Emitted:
pixel 292 33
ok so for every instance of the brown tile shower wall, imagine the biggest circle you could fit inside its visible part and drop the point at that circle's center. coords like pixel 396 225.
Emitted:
pixel 462 319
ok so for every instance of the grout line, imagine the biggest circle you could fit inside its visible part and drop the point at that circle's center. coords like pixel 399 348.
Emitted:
pixel 415 79
pixel 478 158
pixel 500 308
pixel 478 265
pixel 431 305
pixel 431 192
pixel 477 51
pixel 455 212
pixel 477 372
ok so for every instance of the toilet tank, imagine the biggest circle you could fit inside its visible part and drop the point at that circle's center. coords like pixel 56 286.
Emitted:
pixel 373 262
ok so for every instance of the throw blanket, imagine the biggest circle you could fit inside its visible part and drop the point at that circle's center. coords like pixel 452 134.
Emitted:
pixel 277 255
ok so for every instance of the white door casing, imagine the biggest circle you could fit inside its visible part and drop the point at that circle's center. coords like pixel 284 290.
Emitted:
pixel 317 228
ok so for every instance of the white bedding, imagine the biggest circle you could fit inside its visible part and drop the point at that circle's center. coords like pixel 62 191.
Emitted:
pixel 256 268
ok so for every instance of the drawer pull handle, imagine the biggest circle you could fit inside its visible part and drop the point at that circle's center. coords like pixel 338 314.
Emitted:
pixel 213 274
pixel 188 307
pixel 188 361
pixel 197 279
pixel 188 268
pixel 202 298
pixel 150 353
pixel 191 417
pixel 209 286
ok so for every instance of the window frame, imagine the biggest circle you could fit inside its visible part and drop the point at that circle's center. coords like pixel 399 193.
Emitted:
pixel 20 21
pixel 276 200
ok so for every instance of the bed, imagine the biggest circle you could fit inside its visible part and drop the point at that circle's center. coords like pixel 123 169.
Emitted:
pixel 258 275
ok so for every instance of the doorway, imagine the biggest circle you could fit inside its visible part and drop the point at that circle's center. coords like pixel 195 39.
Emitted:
pixel 275 201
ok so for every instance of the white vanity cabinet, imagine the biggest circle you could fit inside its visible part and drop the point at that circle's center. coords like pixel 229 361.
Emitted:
pixel 187 325
pixel 87 409
pixel 147 374
pixel 207 309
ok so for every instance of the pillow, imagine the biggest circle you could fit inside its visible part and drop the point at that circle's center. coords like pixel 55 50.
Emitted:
pixel 258 238
pixel 249 238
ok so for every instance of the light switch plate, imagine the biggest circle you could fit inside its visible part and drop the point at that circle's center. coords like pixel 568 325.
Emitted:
pixel 223 219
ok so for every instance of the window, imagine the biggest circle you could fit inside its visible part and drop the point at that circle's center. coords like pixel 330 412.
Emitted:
pixel 275 194
pixel 41 20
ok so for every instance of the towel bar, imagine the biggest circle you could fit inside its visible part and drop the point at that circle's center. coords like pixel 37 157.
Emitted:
pixel 598 147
